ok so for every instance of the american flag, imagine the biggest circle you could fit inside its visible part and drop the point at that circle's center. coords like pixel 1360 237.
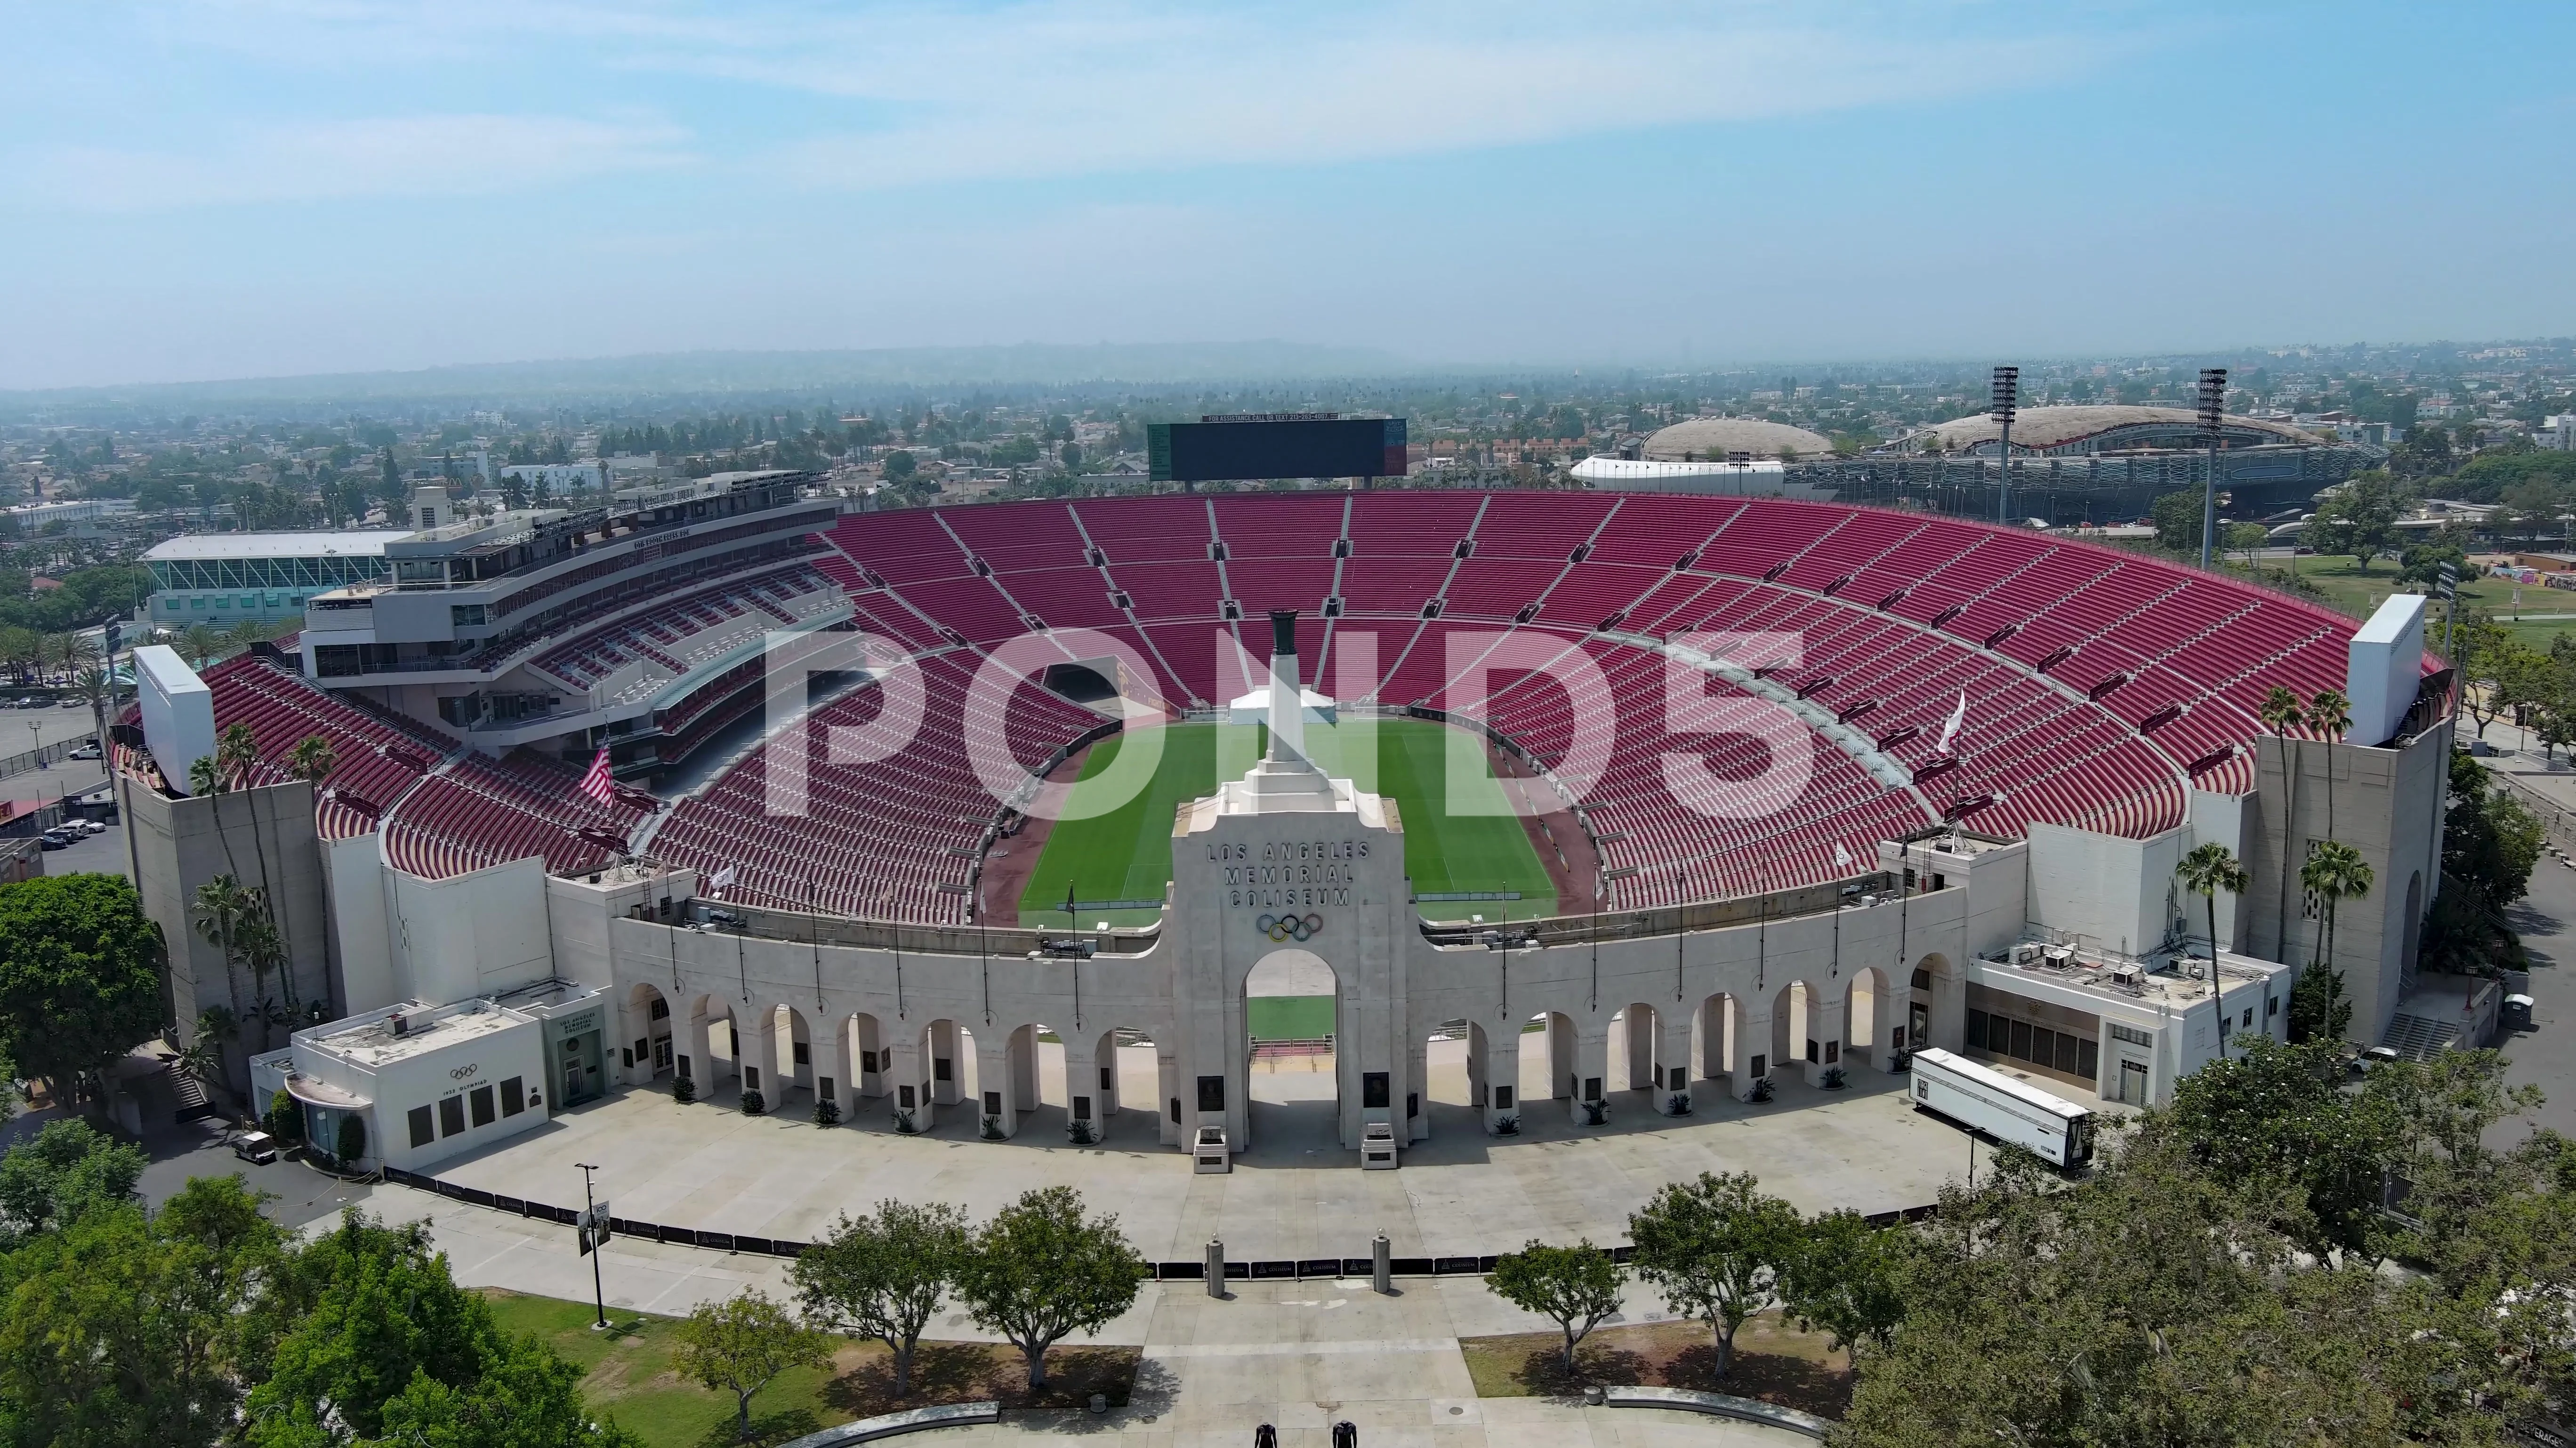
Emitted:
pixel 596 783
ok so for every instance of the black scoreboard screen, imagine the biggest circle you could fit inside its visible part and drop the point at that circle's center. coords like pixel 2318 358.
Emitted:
pixel 1275 445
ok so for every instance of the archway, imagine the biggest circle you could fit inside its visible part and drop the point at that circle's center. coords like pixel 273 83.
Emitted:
pixel 1807 1027
pixel 1648 1063
pixel 1466 1076
pixel 1292 1094
pixel 648 1053
pixel 706 1057
pixel 1936 1009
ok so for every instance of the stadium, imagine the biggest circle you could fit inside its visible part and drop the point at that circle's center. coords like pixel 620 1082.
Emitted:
pixel 1073 814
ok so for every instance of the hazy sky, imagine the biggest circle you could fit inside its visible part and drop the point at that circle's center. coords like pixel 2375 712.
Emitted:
pixel 259 187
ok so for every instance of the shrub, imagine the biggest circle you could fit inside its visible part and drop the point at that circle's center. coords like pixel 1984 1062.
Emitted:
pixel 1761 1090
pixel 991 1129
pixel 1679 1103
pixel 904 1122
pixel 683 1090
pixel 827 1112
pixel 285 1119
pixel 1507 1126
pixel 1833 1078
pixel 352 1144
pixel 754 1104
pixel 1081 1133
pixel 1596 1113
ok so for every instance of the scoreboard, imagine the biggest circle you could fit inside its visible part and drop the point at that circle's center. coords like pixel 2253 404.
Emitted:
pixel 1275 445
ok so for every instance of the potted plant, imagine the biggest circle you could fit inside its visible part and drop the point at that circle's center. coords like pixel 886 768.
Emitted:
pixel 1833 1078
pixel 1761 1090
pixel 904 1123
pixel 1507 1126
pixel 827 1112
pixel 754 1104
pixel 1080 1133
pixel 1679 1103
pixel 684 1090
pixel 1596 1113
pixel 990 1128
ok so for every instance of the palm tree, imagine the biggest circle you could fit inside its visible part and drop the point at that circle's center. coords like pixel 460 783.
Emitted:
pixel 2336 873
pixel 312 759
pixel 2280 713
pixel 2207 870
pixel 217 910
pixel 237 756
pixel 199 643
pixel 97 689
pixel 2330 714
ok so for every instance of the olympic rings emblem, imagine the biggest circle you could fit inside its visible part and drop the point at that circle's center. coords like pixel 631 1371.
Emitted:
pixel 1285 928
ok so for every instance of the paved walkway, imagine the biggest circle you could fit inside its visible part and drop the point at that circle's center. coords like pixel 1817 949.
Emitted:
pixel 1300 1355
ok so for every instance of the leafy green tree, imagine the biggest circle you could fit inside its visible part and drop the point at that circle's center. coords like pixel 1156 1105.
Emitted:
pixel 80 979
pixel 900 466
pixel 883 1275
pixel 2177 520
pixel 526 1397
pixel 61 1174
pixel 1042 1268
pixel 742 1344
pixel 2359 519
pixel 1715 1248
pixel 2278 1116
pixel 2490 841
pixel 122 1329
pixel 362 1310
pixel 1574 1287
pixel 1843 1276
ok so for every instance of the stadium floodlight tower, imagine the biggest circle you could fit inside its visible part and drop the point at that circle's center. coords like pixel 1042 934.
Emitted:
pixel 2007 396
pixel 2213 411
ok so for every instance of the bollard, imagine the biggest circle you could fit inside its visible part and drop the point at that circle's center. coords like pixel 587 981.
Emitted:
pixel 1381 1266
pixel 1216 1267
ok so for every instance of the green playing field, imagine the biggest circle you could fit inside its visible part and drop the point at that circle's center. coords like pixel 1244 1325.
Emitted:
pixel 1126 854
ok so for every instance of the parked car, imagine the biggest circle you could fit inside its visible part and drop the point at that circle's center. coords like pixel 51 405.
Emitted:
pixel 92 827
pixel 257 1147
pixel 56 840
pixel 2376 1057
pixel 85 751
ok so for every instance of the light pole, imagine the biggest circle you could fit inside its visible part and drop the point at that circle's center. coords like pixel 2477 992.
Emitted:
pixel 2006 399
pixel 2213 409
pixel 590 1231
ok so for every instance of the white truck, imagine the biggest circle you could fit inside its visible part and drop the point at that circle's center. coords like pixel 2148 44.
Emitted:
pixel 2002 1108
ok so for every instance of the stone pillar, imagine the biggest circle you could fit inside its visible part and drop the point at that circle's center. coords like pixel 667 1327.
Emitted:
pixel 1673 1028
pixel 691 1058
pixel 1591 1073
pixel 1710 1061
pixel 1560 1058
pixel 1503 1077
pixel 910 1081
pixel 997 1083
pixel 844 1058
pixel 1101 1082
pixel 1638 1025
pixel 1167 1102
pixel 760 1053
pixel 1024 1068
pixel 946 1067
pixel 1413 1103
pixel 1751 1039
pixel 1825 1028
pixel 876 1083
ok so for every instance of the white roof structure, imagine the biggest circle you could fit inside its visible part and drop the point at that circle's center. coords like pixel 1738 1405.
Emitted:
pixel 313 543
pixel 1704 438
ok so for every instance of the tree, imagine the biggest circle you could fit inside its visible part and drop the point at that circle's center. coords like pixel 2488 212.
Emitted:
pixel 2278 1116
pixel 526 1396
pixel 1041 1269
pixel 217 910
pixel 2491 664
pixel 2208 869
pixel 312 760
pixel 2490 841
pixel 1575 1287
pixel 1842 1276
pixel 899 467
pixel 62 1174
pixel 2330 714
pixel 2177 519
pixel 1715 1248
pixel 2359 518
pixel 125 1329
pixel 883 1275
pixel 2336 872
pixel 2280 713
pixel 363 1311
pixel 80 978
pixel 741 1345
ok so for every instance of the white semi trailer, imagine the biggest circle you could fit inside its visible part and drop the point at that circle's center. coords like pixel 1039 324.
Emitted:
pixel 2006 1110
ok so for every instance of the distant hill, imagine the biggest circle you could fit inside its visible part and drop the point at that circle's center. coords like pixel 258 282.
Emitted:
pixel 1028 363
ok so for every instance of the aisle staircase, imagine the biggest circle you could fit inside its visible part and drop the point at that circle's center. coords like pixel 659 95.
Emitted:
pixel 2419 1038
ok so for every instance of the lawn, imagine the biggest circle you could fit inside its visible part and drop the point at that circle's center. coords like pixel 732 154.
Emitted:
pixel 627 1375
pixel 1126 853
pixel 1774 1362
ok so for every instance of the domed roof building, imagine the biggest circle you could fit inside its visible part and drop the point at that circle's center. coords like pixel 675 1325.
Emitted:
pixel 2103 427
pixel 1712 439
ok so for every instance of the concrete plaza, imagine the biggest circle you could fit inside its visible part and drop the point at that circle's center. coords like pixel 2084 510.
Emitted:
pixel 1295 1194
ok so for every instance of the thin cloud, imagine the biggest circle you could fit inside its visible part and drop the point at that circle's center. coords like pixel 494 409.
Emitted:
pixel 373 157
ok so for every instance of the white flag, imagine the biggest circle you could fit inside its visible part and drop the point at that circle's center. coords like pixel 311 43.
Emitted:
pixel 1958 716
pixel 721 880
pixel 1842 857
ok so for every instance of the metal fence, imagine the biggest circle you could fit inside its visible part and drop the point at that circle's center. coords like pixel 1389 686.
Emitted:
pixel 27 759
